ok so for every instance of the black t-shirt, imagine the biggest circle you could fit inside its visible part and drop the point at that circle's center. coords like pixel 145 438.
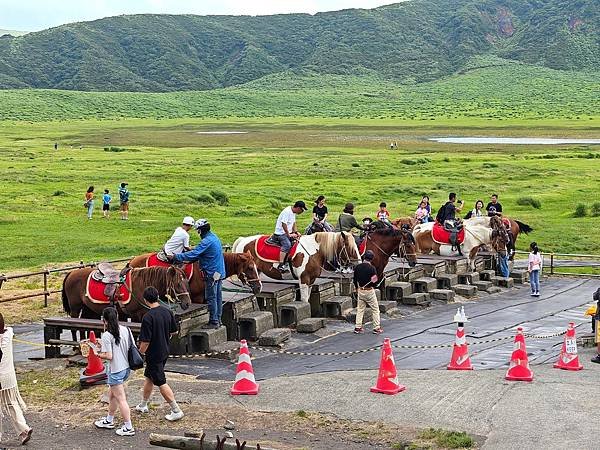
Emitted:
pixel 365 275
pixel 446 212
pixel 157 326
pixel 492 208
pixel 320 211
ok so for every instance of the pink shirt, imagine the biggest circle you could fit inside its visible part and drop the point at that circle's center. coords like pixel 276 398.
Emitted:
pixel 535 261
pixel 421 212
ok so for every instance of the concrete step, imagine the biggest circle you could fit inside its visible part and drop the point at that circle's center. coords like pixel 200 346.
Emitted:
pixel 446 280
pixel 446 295
pixel 334 307
pixel 520 276
pixel 397 290
pixel 468 278
pixel 385 306
pixel 251 325
pixel 424 284
pixel 351 315
pixel 483 285
pixel 413 274
pixel 465 290
pixel 486 275
pixel 493 290
pixel 418 298
pixel 310 325
pixel 502 282
pixel 274 337
pixel 205 340
pixel 228 351
pixel 293 313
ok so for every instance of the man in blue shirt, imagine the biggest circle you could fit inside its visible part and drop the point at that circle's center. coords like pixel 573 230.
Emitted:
pixel 209 254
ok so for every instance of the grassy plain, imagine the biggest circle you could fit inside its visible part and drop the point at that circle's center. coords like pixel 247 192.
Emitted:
pixel 240 182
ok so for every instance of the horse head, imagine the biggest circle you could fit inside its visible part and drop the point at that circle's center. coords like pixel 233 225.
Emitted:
pixel 247 272
pixel 347 249
pixel 500 240
pixel 178 287
pixel 407 248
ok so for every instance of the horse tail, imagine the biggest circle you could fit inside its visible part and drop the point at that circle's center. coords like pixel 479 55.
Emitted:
pixel 65 300
pixel 524 228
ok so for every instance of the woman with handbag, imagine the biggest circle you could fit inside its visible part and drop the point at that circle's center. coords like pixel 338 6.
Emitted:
pixel 117 343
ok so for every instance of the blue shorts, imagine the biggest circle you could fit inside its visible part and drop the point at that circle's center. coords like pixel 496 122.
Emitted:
pixel 114 379
pixel 284 241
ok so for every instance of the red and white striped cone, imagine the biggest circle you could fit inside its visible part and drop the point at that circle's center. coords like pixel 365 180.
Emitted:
pixel 244 384
pixel 519 362
pixel 460 359
pixel 568 359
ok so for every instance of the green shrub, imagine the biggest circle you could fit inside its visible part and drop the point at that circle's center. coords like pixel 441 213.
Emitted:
pixel 489 165
pixel 203 198
pixel 595 209
pixel 529 201
pixel 59 193
pixel 115 149
pixel 221 197
pixel 355 165
pixel 408 162
pixel 275 204
pixel 580 210
pixel 448 439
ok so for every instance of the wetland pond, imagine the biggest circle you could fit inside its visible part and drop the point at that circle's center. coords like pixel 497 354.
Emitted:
pixel 516 141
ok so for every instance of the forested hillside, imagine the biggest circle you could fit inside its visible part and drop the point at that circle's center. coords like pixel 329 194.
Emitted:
pixel 415 41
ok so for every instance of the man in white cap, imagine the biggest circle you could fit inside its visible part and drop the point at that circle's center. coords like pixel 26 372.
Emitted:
pixel 179 242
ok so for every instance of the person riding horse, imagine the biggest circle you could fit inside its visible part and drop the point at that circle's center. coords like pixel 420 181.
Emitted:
pixel 179 241
pixel 347 222
pixel 286 230
pixel 446 217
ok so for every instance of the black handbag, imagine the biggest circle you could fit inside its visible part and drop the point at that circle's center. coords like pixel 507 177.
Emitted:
pixel 134 357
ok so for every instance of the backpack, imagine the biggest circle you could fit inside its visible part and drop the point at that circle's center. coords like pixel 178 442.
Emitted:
pixel 441 214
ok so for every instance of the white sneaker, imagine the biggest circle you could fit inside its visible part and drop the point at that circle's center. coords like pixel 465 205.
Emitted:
pixel 104 423
pixel 142 409
pixel 173 416
pixel 125 431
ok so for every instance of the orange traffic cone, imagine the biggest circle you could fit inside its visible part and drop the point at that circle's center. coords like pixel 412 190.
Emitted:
pixel 244 384
pixel 94 364
pixel 460 359
pixel 519 364
pixel 568 359
pixel 387 380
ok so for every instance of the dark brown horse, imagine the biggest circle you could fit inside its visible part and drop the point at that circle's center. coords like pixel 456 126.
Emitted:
pixel 241 265
pixel 516 228
pixel 385 242
pixel 170 282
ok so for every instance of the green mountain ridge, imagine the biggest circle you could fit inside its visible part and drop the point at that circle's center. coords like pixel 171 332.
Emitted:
pixel 411 42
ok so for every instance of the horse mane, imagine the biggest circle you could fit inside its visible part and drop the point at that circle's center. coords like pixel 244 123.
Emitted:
pixel 149 276
pixel 328 244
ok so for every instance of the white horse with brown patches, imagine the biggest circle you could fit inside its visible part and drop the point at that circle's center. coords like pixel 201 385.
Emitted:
pixel 307 258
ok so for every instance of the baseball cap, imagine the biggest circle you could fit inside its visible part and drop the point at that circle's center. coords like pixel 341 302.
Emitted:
pixel 300 204
pixel 369 255
pixel 188 220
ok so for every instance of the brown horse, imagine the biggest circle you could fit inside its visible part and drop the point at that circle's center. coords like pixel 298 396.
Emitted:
pixel 404 221
pixel 241 265
pixel 516 228
pixel 170 282
pixel 385 242
pixel 312 254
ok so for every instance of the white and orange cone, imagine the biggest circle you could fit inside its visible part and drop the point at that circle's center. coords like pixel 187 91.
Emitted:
pixel 460 359
pixel 244 384
pixel 568 359
pixel 519 362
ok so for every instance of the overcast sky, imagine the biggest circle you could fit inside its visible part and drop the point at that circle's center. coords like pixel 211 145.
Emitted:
pixel 35 15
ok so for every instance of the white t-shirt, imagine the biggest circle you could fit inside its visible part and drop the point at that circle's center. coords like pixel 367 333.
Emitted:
pixel 288 217
pixel 119 352
pixel 177 242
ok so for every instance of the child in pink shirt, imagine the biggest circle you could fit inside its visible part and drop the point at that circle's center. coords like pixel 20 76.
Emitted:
pixel 534 267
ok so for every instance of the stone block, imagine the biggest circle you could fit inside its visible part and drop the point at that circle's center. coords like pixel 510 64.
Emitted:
pixel 446 295
pixel 520 276
pixel 502 282
pixel 479 264
pixel 378 295
pixel 468 278
pixel 310 325
pixel 446 280
pixel 397 290
pixel 424 284
pixel 251 325
pixel 486 275
pixel 483 285
pixel 293 313
pixel 335 306
pixel 493 290
pixel 351 315
pixel 465 290
pixel 412 274
pixel 418 298
pixel 385 306
pixel 274 336
pixel 205 340
pixel 227 350
pixel 344 286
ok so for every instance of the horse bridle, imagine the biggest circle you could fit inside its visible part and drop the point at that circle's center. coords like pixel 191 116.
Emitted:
pixel 242 276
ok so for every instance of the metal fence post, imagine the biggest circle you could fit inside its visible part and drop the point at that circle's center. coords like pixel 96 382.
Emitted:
pixel 46 288
pixel 551 263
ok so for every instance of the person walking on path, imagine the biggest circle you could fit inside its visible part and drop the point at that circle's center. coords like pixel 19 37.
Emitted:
pixel 89 201
pixel 286 230
pixel 124 201
pixel 11 402
pixel 209 254
pixel 106 199
pixel 365 277
pixel 534 267
pixel 116 341
pixel 158 325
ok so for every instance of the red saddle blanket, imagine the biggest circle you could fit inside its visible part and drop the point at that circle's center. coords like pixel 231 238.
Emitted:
pixel 94 290
pixel 153 261
pixel 442 236
pixel 506 222
pixel 362 248
pixel 269 252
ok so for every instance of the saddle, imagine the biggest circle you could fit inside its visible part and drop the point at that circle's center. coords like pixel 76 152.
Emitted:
pixel 451 233
pixel 269 251
pixel 106 274
pixel 155 260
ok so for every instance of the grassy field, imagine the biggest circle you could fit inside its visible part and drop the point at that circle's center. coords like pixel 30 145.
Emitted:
pixel 240 182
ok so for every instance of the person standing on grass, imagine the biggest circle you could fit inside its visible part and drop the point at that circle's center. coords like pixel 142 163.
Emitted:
pixel 209 254
pixel 89 201
pixel 115 342
pixel 534 267
pixel 106 199
pixel 124 201
pixel 365 278
pixel 158 325
pixel 11 402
